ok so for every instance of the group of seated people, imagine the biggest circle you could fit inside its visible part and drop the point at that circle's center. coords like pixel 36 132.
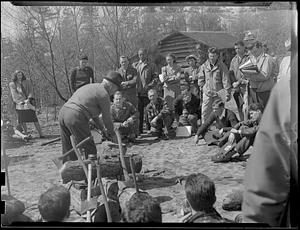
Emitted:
pixel 229 133
pixel 54 205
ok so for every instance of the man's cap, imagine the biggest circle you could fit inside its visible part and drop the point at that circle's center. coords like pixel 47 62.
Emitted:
pixel 83 57
pixel 114 77
pixel 192 56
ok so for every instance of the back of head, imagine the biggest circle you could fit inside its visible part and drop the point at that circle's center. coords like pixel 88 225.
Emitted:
pixel 142 208
pixel 54 204
pixel 200 192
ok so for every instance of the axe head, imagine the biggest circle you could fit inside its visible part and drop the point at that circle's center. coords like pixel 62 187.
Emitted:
pixel 89 205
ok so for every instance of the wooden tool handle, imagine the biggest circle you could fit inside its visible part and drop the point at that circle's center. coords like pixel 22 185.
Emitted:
pixel 79 156
pixel 125 172
pixel 108 214
pixel 77 146
pixel 133 173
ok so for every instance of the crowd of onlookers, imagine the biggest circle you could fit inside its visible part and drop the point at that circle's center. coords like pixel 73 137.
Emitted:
pixel 196 97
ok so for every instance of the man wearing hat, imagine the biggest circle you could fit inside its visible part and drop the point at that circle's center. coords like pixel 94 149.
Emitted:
pixel 262 81
pixel 82 74
pixel 191 74
pixel 86 104
pixel 285 65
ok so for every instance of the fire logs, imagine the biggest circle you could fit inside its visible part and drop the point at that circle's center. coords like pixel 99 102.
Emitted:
pixel 111 168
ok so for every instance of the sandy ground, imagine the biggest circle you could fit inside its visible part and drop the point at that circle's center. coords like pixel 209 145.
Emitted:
pixel 31 171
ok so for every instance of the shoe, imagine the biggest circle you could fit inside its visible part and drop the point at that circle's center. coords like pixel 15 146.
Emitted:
pixel 223 157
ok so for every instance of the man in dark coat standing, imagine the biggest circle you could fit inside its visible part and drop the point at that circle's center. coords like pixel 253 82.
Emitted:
pixel 82 74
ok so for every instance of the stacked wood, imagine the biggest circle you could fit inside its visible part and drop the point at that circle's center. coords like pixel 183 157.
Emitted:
pixel 111 168
pixel 125 196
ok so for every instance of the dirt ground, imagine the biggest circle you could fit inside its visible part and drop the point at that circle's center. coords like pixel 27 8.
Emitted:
pixel 31 171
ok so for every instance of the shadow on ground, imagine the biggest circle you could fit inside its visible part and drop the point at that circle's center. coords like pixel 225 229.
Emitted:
pixel 158 182
pixel 16 143
pixel 162 199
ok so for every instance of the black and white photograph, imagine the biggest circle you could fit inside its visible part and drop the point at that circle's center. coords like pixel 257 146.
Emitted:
pixel 149 113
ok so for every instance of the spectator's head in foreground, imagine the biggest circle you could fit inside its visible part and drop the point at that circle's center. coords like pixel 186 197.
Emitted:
pixel 218 106
pixel 142 208
pixel 200 192
pixel 255 111
pixel 54 204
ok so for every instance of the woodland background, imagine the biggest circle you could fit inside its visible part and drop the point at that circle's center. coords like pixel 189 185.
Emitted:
pixel 50 38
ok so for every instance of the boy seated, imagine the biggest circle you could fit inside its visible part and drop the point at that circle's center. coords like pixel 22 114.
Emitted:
pixel 200 194
pixel 142 208
pixel 54 204
pixel 242 136
pixel 159 116
pixel 191 103
pixel 224 120
pixel 125 117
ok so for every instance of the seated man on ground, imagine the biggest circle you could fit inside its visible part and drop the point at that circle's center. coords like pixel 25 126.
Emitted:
pixel 224 120
pixel 191 103
pixel 125 117
pixel 15 132
pixel 242 136
pixel 200 194
pixel 54 204
pixel 142 208
pixel 159 115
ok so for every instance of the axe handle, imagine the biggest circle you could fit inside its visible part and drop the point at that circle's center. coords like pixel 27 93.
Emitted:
pixel 125 172
pixel 133 173
pixel 79 156
pixel 6 167
pixel 77 146
pixel 49 142
pixel 108 214
pixel 89 179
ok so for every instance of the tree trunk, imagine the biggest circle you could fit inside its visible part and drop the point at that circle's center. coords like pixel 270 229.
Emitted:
pixel 72 170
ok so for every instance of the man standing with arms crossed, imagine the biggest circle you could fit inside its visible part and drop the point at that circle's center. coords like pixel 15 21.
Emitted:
pixel 147 79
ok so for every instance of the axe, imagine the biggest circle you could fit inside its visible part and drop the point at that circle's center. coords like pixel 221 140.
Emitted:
pixel 125 172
